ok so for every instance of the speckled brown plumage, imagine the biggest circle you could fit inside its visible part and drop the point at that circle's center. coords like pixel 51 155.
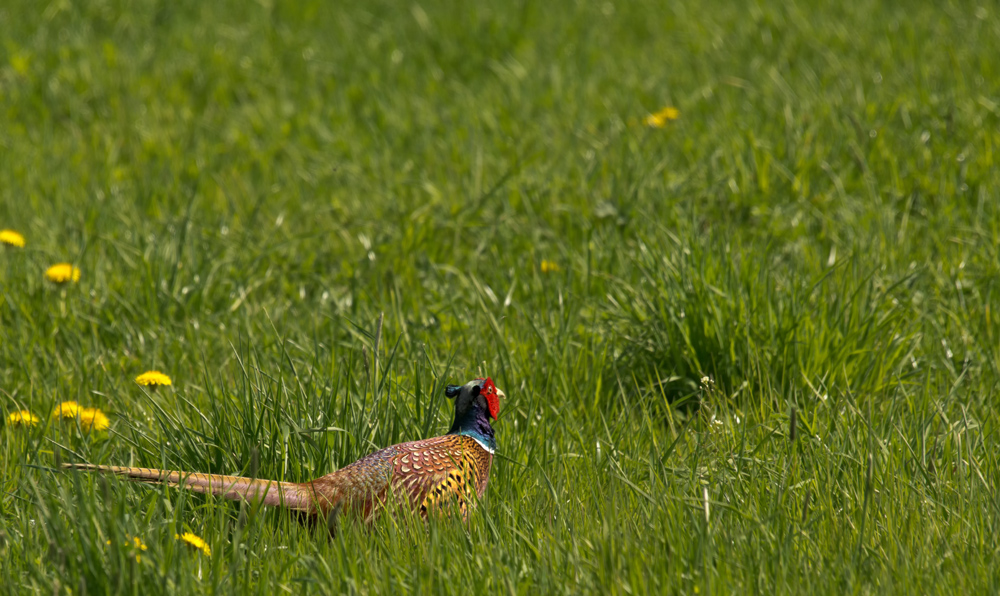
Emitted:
pixel 426 474
pixel 431 475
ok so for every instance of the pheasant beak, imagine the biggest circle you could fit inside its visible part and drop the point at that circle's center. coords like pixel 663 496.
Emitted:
pixel 500 395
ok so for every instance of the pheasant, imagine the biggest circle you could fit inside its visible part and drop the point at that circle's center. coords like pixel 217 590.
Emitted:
pixel 426 475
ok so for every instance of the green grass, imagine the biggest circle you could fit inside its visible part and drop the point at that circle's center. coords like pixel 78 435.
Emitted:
pixel 248 187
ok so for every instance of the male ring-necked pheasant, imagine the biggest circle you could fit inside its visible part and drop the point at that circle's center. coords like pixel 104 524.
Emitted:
pixel 427 475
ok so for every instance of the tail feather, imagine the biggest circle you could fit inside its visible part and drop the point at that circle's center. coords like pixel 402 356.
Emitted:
pixel 236 488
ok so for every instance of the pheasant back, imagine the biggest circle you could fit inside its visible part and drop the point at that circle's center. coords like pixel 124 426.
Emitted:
pixel 427 475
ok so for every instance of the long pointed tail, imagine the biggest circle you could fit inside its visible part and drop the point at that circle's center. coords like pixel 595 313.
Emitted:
pixel 236 488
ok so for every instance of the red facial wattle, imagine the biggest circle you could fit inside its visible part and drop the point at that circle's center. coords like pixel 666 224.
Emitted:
pixel 489 390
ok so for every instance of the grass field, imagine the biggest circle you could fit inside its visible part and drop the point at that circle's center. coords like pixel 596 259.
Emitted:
pixel 247 187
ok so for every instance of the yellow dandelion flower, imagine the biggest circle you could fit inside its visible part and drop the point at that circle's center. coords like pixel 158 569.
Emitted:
pixel 153 378
pixel 93 419
pixel 550 267
pixel 138 546
pixel 194 542
pixel 62 273
pixel 67 409
pixel 22 418
pixel 11 238
pixel 661 118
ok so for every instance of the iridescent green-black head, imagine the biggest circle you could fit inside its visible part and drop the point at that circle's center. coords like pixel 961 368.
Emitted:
pixel 476 403
pixel 478 392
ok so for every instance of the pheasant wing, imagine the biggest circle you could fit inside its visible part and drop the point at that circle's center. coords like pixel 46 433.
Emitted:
pixel 433 472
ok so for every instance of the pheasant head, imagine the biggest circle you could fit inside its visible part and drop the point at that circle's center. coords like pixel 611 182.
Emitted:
pixel 476 403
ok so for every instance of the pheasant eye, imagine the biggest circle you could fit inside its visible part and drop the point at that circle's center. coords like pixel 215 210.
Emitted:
pixel 492 401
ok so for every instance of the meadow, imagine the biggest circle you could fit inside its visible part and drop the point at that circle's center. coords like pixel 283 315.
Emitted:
pixel 735 266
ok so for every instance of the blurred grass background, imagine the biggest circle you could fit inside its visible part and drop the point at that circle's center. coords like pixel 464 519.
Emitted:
pixel 246 187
